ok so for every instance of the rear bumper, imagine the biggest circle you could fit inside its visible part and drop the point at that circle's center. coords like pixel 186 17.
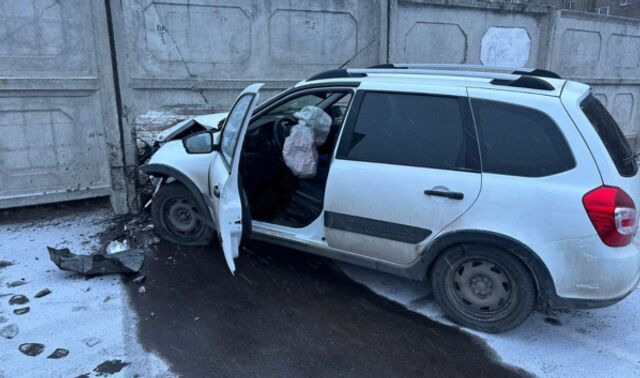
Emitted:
pixel 588 274
pixel 562 302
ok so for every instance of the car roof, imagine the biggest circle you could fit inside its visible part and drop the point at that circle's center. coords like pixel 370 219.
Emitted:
pixel 524 80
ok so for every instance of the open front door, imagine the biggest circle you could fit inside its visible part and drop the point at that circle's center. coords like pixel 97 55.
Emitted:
pixel 224 178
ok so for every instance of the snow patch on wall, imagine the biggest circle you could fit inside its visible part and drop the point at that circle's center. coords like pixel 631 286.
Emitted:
pixel 505 47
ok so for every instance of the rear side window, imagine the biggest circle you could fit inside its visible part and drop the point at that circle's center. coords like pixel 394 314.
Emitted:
pixel 611 136
pixel 410 129
pixel 519 141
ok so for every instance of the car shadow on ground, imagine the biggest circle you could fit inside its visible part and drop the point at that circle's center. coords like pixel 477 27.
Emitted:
pixel 287 313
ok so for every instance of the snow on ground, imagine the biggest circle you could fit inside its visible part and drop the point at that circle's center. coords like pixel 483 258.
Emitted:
pixel 595 343
pixel 90 318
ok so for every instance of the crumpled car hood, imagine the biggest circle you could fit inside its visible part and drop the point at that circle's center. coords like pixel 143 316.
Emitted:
pixel 209 121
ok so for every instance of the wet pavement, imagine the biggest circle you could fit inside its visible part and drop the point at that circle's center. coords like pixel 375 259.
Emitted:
pixel 286 313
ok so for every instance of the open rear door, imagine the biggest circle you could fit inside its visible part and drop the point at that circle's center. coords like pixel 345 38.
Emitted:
pixel 224 178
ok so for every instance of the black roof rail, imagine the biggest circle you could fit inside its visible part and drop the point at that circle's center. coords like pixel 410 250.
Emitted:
pixel 539 72
pixel 530 82
pixel 472 67
pixel 334 74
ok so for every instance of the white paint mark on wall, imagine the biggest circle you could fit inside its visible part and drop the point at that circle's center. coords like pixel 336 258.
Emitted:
pixel 505 47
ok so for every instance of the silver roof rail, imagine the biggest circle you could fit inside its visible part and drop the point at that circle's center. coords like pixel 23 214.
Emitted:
pixel 497 78
pixel 471 67
pixel 438 72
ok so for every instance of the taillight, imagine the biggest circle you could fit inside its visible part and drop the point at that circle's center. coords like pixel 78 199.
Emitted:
pixel 612 213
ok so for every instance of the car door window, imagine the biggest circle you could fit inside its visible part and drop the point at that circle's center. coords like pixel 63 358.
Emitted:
pixel 519 141
pixel 232 127
pixel 411 129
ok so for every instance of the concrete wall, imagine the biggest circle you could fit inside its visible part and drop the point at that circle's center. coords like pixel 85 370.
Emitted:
pixel 67 122
pixel 605 53
pixel 59 136
pixel 601 51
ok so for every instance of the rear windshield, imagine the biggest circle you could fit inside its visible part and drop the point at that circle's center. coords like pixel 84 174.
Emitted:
pixel 611 136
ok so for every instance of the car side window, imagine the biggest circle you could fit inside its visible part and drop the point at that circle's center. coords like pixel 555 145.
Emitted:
pixel 410 129
pixel 232 127
pixel 519 141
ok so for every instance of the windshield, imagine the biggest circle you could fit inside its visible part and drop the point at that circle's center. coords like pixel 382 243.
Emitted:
pixel 611 135
pixel 298 103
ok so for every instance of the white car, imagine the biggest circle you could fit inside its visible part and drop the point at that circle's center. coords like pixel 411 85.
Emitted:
pixel 503 189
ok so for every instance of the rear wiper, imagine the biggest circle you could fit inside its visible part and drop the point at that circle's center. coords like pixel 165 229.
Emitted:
pixel 633 156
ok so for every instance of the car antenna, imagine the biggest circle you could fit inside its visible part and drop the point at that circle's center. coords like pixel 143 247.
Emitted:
pixel 357 53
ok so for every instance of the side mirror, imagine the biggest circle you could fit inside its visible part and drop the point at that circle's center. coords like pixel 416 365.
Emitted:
pixel 199 143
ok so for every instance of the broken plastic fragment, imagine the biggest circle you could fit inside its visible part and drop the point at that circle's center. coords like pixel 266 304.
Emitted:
pixel 122 262
pixel 18 300
pixel 58 353
pixel 42 293
pixel 116 246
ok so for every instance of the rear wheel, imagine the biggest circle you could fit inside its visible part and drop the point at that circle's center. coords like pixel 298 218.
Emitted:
pixel 483 287
pixel 177 217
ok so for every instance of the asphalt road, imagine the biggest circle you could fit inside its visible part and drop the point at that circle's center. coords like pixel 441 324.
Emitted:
pixel 286 313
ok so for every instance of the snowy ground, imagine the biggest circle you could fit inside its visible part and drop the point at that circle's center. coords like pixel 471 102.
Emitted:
pixel 594 343
pixel 90 318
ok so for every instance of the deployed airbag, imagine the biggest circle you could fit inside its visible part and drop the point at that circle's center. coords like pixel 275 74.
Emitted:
pixel 299 151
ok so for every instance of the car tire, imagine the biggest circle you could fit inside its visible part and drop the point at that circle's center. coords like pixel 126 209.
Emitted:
pixel 177 217
pixel 483 287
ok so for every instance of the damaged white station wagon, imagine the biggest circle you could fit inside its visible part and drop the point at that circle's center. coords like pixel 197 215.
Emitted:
pixel 503 189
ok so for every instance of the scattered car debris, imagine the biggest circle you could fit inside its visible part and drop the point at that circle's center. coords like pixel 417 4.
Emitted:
pixel 5 263
pixel 91 342
pixel 9 331
pixel 43 293
pixel 117 246
pixel 21 310
pixel 18 300
pixel 127 262
pixel 58 353
pixel 142 290
pixel 110 367
pixel 140 279
pixel 153 240
pixel 16 283
pixel 31 349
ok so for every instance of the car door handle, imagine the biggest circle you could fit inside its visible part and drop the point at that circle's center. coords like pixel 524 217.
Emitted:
pixel 440 193
pixel 216 191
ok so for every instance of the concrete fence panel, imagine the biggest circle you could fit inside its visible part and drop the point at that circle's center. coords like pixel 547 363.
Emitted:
pixel 495 35
pixel 59 137
pixel 605 53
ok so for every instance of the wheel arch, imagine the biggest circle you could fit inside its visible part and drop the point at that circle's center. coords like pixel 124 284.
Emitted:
pixel 533 262
pixel 162 170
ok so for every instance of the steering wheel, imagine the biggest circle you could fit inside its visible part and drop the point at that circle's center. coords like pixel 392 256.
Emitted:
pixel 281 129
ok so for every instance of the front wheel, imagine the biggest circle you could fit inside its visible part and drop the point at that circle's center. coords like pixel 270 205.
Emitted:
pixel 483 287
pixel 177 217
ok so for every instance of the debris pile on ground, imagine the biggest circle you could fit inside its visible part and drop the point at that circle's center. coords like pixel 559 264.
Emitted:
pixel 129 261
pixel 124 253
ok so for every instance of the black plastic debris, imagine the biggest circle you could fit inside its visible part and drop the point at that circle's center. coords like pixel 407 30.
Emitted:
pixel 58 353
pixel 18 300
pixel 42 293
pixel 31 349
pixel 21 310
pixel 128 262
